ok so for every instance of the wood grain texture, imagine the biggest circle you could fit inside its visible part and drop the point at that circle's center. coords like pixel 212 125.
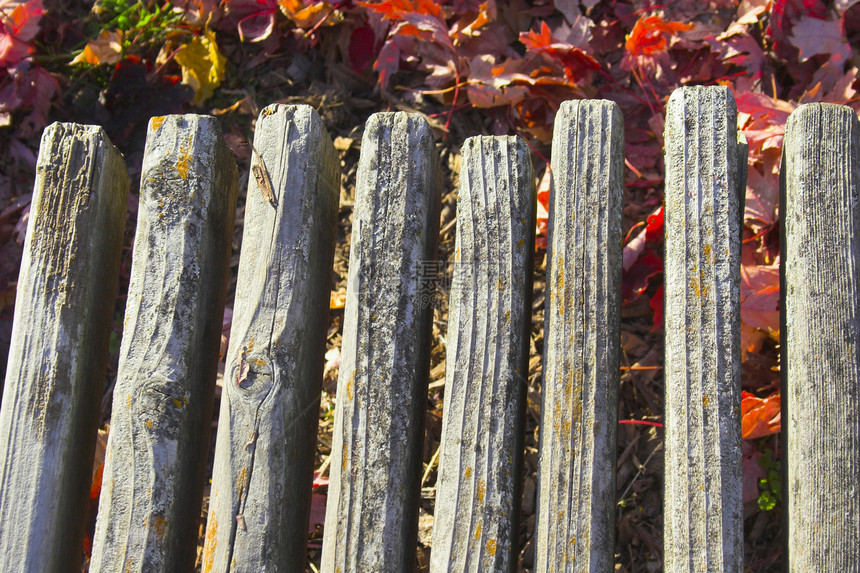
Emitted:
pixel 149 508
pixel 59 348
pixel 703 488
pixel 372 509
pixel 821 337
pixel 489 319
pixel 576 464
pixel 264 461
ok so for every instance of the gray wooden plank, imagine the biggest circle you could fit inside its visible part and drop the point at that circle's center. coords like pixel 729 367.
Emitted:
pixel 576 465
pixel 475 524
pixel 59 348
pixel 372 509
pixel 821 338
pixel 149 508
pixel 264 460
pixel 703 489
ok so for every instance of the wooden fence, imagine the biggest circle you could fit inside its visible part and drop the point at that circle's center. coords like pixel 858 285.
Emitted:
pixel 261 485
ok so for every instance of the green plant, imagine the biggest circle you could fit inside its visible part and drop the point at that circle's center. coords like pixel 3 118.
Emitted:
pixel 770 486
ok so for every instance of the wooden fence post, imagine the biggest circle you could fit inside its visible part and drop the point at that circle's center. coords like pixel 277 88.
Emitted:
pixel 576 466
pixel 821 337
pixel 489 322
pixel 372 509
pixel 703 492
pixel 153 478
pixel 58 354
pixel 264 460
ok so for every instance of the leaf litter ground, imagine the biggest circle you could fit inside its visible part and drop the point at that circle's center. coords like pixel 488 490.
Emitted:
pixel 473 68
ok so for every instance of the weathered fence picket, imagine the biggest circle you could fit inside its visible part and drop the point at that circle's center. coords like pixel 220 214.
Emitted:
pixel 477 492
pixel 264 459
pixel 149 507
pixel 59 349
pixel 703 505
pixel 576 465
pixel 153 477
pixel 821 337
pixel 374 487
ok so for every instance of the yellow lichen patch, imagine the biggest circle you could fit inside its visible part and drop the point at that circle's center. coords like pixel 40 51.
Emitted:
pixel 148 424
pixel 350 384
pixel 705 401
pixel 565 428
pixel 182 165
pixel 468 472
pixel 478 531
pixel 184 159
pixel 491 546
pixel 158 525
pixel 694 286
pixel 705 288
pixel 481 491
pixel 501 285
pixel 559 283
pixel 344 458
pixel 178 403
pixel 157 121
pixel 520 244
pixel 210 544
pixel 242 481
pixel 707 253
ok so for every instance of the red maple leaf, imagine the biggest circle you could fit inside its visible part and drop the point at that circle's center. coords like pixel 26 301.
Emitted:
pixel 399 9
pixel 575 61
pixel 760 416
pixel 649 34
pixel 17 28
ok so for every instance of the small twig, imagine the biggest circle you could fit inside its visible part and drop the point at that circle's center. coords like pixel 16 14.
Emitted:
pixel 431 465
pixel 638 473
pixel 324 466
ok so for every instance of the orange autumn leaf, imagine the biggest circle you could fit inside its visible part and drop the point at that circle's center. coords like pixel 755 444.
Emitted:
pixel 760 416
pixel 106 49
pixel 306 17
pixel 483 17
pixel 649 35
pixel 398 9
pixel 337 300
pixel 575 61
pixel 96 486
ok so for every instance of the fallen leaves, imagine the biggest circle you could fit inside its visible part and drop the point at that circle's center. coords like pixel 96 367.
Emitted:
pixel 202 65
pixel 255 18
pixel 813 36
pixel 307 15
pixel 649 35
pixel 760 416
pixel 27 87
pixel 19 23
pixel 575 61
pixel 105 49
